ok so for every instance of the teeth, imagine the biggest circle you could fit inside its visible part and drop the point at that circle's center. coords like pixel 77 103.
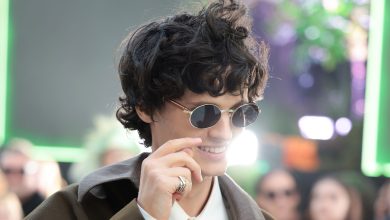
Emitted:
pixel 214 150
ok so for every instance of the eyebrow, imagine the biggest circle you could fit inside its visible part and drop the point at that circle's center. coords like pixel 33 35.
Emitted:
pixel 191 105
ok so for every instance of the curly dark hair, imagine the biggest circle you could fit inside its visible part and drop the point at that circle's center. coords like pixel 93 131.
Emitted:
pixel 212 51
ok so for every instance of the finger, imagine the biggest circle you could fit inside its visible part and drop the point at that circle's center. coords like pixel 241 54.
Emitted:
pixel 189 151
pixel 176 145
pixel 180 192
pixel 169 178
pixel 182 159
pixel 178 159
pixel 178 171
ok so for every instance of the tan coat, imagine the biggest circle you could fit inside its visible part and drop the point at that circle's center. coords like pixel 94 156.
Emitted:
pixel 111 192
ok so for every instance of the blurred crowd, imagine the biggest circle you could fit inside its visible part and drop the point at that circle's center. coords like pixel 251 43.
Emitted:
pixel 333 196
pixel 26 181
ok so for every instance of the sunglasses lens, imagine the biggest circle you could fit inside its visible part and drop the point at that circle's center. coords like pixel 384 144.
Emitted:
pixel 205 116
pixel 245 115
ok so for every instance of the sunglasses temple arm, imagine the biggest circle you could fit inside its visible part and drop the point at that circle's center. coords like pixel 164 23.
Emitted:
pixel 186 110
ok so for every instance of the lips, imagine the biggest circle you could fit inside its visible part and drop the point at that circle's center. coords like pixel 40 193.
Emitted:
pixel 213 150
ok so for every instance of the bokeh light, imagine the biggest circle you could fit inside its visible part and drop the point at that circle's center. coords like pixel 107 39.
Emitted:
pixel 343 126
pixel 244 149
pixel 316 127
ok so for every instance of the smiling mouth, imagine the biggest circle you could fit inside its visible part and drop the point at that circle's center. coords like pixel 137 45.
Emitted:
pixel 213 150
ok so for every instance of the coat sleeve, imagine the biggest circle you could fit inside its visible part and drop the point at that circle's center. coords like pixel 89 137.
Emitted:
pixel 62 205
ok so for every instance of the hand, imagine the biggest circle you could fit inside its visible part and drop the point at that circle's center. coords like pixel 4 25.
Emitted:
pixel 159 176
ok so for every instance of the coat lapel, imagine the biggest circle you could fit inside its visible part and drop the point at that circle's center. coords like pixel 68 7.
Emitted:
pixel 238 203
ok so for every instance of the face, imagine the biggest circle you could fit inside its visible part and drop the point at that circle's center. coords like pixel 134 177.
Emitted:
pixel 172 123
pixel 19 172
pixel 278 195
pixel 329 201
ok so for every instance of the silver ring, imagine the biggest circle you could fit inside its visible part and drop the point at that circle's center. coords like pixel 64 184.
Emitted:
pixel 182 185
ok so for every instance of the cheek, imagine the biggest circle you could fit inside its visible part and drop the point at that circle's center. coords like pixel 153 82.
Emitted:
pixel 341 206
pixel 172 126
pixel 237 131
pixel 317 204
pixel 313 206
pixel 265 203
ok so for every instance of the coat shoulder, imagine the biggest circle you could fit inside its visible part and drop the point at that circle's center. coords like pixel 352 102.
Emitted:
pixel 61 205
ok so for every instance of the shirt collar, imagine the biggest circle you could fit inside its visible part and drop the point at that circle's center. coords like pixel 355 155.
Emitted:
pixel 214 208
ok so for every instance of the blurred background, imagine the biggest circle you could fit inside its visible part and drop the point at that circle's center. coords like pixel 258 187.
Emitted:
pixel 325 109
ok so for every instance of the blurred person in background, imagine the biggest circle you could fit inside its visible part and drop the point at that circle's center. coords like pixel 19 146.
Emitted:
pixel 277 193
pixel 49 178
pixel 3 183
pixel 20 170
pixel 107 143
pixel 382 203
pixel 190 84
pixel 10 207
pixel 337 197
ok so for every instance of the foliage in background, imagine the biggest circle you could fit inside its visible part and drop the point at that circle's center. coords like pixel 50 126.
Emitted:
pixel 319 29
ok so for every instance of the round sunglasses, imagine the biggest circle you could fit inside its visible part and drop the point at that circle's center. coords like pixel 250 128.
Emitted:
pixel 207 115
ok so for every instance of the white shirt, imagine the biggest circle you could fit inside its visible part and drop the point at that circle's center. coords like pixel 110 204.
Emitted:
pixel 214 208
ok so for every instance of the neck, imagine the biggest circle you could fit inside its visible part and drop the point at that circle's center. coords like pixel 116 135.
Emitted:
pixel 194 201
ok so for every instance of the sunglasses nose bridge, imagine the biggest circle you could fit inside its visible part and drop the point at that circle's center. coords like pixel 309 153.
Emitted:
pixel 225 123
pixel 229 111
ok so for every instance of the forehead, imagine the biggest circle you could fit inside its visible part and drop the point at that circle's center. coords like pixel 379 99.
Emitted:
pixel 278 179
pixel 329 186
pixel 13 158
pixel 226 100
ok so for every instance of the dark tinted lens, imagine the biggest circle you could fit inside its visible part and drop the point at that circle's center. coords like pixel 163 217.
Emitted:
pixel 245 115
pixel 205 116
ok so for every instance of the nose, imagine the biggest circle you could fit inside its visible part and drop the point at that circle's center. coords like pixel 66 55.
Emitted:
pixel 222 131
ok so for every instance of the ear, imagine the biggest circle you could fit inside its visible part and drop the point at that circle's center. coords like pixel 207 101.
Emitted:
pixel 143 115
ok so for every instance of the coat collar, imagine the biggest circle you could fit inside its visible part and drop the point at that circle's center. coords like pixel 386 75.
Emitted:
pixel 126 170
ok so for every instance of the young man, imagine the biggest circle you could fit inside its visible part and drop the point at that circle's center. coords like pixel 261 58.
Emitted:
pixel 189 82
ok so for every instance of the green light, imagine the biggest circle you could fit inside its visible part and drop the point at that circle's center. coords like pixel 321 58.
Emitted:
pixel 374 71
pixel 61 154
pixel 4 13
pixel 386 170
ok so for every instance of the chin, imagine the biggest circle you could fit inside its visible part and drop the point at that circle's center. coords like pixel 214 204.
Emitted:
pixel 213 169
pixel 212 163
